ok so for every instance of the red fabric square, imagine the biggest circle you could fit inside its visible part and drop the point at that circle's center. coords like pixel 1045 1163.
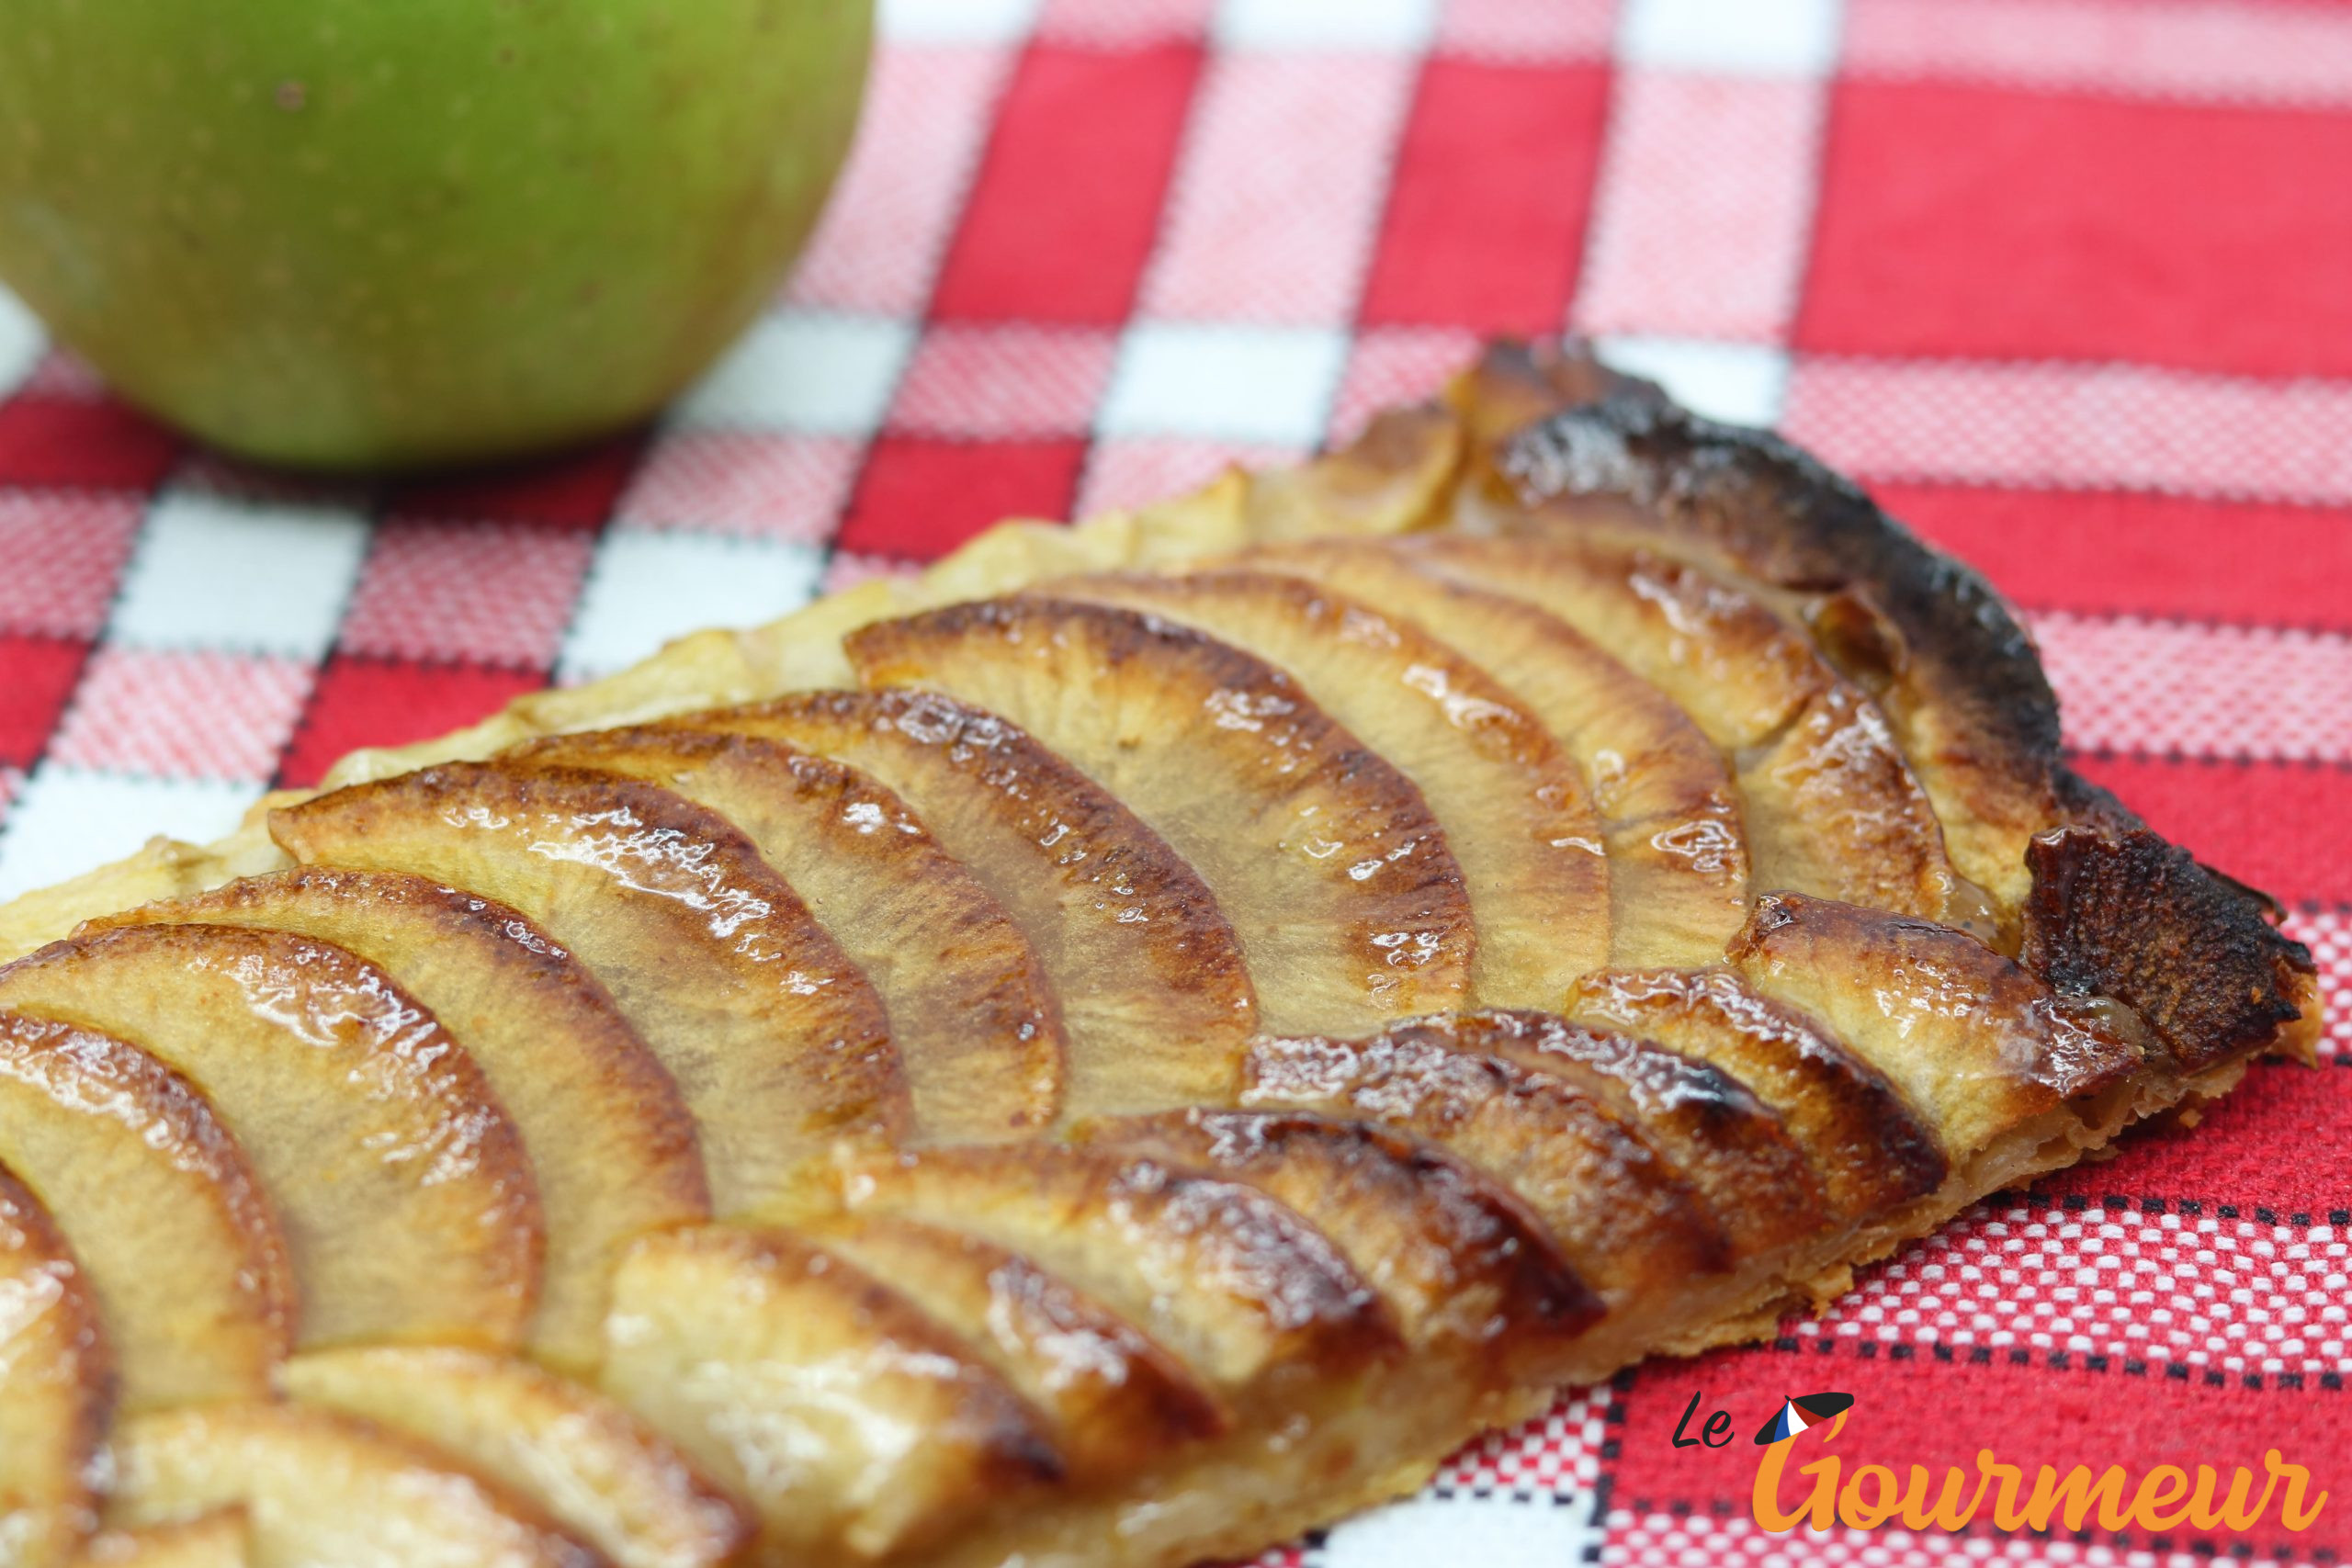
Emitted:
pixel 1062 215
pixel 182 713
pixel 391 702
pixel 576 489
pixel 920 497
pixel 40 674
pixel 1278 193
pixel 2231 1155
pixel 2116 552
pixel 1004 381
pixel 1966 220
pixel 488 592
pixel 1390 367
pixel 2284 827
pixel 1487 213
pixel 753 483
pixel 63 552
pixel 76 441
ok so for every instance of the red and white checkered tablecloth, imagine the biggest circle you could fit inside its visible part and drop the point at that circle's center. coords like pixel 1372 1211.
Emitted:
pixel 2067 282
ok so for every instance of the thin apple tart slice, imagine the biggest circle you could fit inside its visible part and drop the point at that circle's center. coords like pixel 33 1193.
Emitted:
pixel 165 1214
pixel 609 1136
pixel 1186 1017
pixel 409 1208
pixel 56 1388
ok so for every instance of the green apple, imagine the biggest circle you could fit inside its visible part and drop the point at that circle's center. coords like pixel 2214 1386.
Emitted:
pixel 346 233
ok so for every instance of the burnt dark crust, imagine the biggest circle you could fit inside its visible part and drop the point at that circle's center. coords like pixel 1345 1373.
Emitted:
pixel 2112 908
pixel 1789 520
pixel 2126 915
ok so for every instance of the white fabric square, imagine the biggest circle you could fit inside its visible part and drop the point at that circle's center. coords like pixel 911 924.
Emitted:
pixel 1739 383
pixel 955 21
pixel 1230 383
pixel 821 373
pixel 21 342
pixel 1326 23
pixel 1491 1532
pixel 254 577
pixel 69 820
pixel 1768 38
pixel 648 588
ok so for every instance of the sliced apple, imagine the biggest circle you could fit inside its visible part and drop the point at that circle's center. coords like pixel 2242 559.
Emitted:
pixel 208 1541
pixel 1156 1001
pixel 775 1040
pixel 1625 1218
pixel 1350 908
pixel 1116 1399
pixel 403 1192
pixel 1255 1301
pixel 609 1138
pixel 855 1424
pixel 1511 801
pixel 1466 1268
pixel 320 1488
pixel 977 1032
pixel 1727 1144
pixel 1978 1045
pixel 1830 805
pixel 162 1210
pixel 56 1388
pixel 1668 810
pixel 1870 1149
pixel 587 1464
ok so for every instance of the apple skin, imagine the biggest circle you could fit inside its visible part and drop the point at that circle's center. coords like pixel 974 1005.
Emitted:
pixel 393 233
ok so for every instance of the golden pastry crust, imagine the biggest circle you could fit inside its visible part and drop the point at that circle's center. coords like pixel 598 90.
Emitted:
pixel 1212 821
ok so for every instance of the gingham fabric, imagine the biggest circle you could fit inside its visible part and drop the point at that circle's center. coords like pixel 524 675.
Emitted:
pixel 2067 282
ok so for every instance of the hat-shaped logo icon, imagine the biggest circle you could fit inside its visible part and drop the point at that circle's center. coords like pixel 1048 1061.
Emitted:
pixel 1796 1415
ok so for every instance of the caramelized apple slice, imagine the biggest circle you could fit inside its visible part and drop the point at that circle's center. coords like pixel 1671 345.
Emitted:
pixel 855 1424
pixel 1870 1149
pixel 1467 1270
pixel 1115 1398
pixel 775 1041
pixel 1977 1044
pixel 1350 908
pixel 1511 804
pixel 608 1137
pixel 1627 1221
pixel 55 1388
pixel 208 1541
pixel 405 1198
pixel 1724 1140
pixel 1668 811
pixel 1155 1000
pixel 320 1488
pixel 1252 1297
pixel 592 1466
pixel 1830 806
pixel 977 1033
pixel 168 1219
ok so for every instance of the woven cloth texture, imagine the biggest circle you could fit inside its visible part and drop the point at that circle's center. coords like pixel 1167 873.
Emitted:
pixel 2068 283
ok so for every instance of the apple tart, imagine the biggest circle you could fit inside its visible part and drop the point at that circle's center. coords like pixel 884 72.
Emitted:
pixel 1120 1049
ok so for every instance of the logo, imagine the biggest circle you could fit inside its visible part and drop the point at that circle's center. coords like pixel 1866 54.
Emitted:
pixel 1823 1494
